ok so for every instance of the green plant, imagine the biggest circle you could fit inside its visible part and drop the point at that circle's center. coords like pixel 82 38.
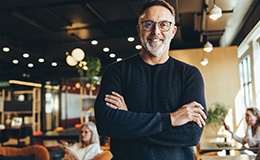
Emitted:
pixel 216 115
pixel 93 69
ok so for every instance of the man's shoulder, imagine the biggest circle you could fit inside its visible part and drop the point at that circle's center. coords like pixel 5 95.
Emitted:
pixel 180 63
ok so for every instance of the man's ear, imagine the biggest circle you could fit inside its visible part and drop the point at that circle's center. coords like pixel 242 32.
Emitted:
pixel 174 31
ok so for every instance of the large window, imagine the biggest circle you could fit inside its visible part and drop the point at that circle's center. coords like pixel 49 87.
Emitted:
pixel 246 81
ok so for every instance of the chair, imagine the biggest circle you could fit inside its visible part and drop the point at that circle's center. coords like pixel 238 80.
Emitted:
pixel 40 152
pixel 198 155
pixel 258 154
pixel 21 133
pixel 105 155
pixel 4 136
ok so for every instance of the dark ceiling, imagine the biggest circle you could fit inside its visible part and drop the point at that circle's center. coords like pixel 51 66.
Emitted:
pixel 50 28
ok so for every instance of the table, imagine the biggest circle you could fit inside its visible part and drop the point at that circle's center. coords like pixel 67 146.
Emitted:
pixel 237 157
pixel 18 132
pixel 219 146
pixel 66 134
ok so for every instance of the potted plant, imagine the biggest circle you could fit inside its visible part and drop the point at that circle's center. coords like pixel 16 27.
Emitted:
pixel 216 115
pixel 93 68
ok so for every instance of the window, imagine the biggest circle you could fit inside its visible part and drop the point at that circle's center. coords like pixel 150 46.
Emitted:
pixel 246 81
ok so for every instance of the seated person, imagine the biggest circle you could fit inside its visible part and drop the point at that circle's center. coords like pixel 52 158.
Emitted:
pixel 252 137
pixel 87 148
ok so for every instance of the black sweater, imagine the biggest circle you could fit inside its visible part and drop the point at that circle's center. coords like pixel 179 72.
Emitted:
pixel 144 132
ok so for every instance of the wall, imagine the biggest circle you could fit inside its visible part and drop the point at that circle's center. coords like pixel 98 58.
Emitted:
pixel 221 74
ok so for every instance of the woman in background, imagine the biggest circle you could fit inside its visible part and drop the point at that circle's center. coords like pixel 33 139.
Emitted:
pixel 87 148
pixel 252 137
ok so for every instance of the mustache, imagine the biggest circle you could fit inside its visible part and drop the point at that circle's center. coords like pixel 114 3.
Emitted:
pixel 154 37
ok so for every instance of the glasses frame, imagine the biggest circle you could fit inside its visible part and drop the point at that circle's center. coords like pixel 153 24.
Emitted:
pixel 158 23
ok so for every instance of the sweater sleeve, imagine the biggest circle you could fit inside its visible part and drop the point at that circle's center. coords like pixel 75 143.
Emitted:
pixel 190 133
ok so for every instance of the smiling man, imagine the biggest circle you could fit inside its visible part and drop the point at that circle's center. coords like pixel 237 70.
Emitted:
pixel 152 105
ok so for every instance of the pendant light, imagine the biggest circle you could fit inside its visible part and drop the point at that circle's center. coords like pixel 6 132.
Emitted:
pixel 208 47
pixel 204 61
pixel 215 12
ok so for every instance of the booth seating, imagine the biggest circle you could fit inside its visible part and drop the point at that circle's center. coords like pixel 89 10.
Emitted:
pixel 37 151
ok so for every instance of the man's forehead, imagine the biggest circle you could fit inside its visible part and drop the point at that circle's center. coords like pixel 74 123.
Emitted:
pixel 157 12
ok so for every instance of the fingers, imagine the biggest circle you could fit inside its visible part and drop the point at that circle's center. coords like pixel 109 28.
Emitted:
pixel 111 105
pixel 197 118
pixel 115 101
pixel 112 99
pixel 197 108
pixel 195 113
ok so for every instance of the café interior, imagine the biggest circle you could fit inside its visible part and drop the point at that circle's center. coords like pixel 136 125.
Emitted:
pixel 54 52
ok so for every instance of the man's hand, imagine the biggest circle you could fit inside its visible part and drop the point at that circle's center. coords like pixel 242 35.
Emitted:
pixel 116 101
pixel 192 111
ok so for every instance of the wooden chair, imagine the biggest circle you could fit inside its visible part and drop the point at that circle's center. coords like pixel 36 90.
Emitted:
pixel 4 136
pixel 198 155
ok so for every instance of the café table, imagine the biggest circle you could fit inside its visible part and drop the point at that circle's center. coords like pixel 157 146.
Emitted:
pixel 66 134
pixel 16 132
pixel 220 146
pixel 236 157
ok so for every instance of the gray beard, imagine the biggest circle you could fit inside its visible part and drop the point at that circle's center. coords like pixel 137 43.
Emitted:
pixel 159 50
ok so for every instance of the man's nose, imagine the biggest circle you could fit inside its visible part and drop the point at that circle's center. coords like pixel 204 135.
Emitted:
pixel 156 30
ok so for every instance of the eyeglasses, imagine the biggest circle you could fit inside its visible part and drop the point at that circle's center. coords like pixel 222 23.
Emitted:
pixel 149 25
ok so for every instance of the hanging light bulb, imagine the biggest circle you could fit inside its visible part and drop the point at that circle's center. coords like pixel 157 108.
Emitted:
pixel 71 61
pixel 204 61
pixel 215 12
pixel 208 47
pixel 78 54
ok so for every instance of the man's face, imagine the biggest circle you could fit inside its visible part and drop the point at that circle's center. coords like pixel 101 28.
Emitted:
pixel 156 41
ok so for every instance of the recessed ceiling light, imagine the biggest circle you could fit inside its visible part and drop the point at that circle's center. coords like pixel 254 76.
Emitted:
pixel 41 60
pixel 48 82
pixel 94 42
pixel 6 49
pixel 26 55
pixel 130 39
pixel 119 59
pixel 138 46
pixel 106 49
pixel 54 64
pixel 15 61
pixel 30 65
pixel 26 75
pixel 112 55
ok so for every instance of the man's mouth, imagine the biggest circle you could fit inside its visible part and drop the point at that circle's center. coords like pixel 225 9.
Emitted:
pixel 155 40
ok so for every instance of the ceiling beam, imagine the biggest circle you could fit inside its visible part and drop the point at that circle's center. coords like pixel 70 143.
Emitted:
pixel 31 22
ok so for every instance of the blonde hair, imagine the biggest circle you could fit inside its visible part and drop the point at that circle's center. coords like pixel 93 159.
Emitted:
pixel 94 134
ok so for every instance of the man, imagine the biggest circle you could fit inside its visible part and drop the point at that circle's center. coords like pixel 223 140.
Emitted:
pixel 151 105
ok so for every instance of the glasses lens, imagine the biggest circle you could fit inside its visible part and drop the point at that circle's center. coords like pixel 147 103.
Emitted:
pixel 164 25
pixel 148 25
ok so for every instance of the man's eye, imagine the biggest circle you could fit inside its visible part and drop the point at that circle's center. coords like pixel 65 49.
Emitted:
pixel 148 24
pixel 164 24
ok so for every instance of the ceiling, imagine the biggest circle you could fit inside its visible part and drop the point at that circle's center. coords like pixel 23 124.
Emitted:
pixel 50 28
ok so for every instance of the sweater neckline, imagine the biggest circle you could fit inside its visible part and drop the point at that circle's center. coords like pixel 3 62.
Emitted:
pixel 155 65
